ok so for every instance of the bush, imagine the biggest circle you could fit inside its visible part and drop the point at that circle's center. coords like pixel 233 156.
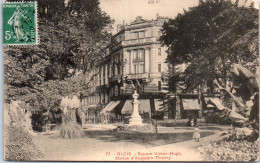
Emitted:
pixel 19 145
pixel 40 118
pixel 218 117
pixel 38 121
pixel 71 130
pixel 231 151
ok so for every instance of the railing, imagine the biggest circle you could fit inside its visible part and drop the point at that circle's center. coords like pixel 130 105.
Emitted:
pixel 114 78
pixel 139 40
pixel 138 76
pixel 138 60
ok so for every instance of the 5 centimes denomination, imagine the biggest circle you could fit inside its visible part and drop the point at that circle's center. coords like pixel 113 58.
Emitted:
pixel 20 23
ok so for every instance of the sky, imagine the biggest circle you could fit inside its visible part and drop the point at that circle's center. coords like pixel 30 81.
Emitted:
pixel 128 10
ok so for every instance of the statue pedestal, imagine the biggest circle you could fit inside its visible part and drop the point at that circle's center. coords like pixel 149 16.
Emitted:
pixel 135 118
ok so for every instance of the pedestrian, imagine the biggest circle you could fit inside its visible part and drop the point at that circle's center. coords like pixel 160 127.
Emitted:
pixel 196 134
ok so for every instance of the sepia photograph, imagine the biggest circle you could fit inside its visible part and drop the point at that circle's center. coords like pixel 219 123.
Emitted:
pixel 131 80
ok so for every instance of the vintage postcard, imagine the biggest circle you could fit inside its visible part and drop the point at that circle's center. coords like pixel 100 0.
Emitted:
pixel 131 80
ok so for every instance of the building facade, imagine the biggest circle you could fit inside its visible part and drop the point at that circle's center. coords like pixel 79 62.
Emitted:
pixel 135 60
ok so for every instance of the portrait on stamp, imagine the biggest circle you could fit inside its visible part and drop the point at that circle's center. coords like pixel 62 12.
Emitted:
pixel 19 23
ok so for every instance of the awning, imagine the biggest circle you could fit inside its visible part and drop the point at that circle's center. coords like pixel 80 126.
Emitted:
pixel 190 104
pixel 127 108
pixel 144 107
pixel 112 106
pixel 158 105
pixel 107 107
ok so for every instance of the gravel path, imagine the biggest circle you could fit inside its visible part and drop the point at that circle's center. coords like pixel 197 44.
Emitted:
pixel 95 149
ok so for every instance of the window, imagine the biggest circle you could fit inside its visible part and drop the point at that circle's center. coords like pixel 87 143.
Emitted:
pixel 104 74
pixel 104 70
pixel 135 55
pixel 108 70
pixel 141 58
pixel 134 35
pixel 104 98
pixel 148 34
pixel 159 85
pixel 159 33
pixel 159 51
pixel 118 69
pixel 141 34
pixel 141 68
pixel 99 78
pixel 159 67
pixel 114 91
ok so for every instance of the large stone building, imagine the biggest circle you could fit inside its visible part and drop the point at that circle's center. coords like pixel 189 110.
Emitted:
pixel 135 60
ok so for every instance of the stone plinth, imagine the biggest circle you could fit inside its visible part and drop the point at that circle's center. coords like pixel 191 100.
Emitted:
pixel 135 118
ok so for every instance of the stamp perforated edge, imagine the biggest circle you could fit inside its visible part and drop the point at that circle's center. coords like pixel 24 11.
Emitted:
pixel 36 24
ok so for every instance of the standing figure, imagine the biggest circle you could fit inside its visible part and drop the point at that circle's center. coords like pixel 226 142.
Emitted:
pixel 17 22
pixel 196 134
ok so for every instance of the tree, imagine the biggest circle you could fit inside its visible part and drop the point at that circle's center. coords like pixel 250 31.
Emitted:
pixel 210 38
pixel 72 37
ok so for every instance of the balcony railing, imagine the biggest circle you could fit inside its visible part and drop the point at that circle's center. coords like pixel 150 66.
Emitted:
pixel 139 40
pixel 138 76
pixel 138 60
pixel 114 78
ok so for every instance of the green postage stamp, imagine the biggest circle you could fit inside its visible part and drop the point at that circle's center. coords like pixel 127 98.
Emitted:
pixel 20 23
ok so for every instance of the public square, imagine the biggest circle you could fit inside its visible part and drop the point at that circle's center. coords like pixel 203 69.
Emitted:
pixel 103 139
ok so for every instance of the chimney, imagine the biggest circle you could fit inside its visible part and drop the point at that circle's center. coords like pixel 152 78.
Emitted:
pixel 118 28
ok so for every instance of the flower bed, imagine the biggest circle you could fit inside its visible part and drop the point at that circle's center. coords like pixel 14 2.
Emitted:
pixel 135 128
pixel 230 151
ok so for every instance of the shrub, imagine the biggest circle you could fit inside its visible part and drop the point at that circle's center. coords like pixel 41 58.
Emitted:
pixel 231 151
pixel 19 145
pixel 38 121
pixel 71 130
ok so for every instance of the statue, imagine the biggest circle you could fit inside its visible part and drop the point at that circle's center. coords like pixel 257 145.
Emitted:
pixel 135 117
pixel 135 95
pixel 17 22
